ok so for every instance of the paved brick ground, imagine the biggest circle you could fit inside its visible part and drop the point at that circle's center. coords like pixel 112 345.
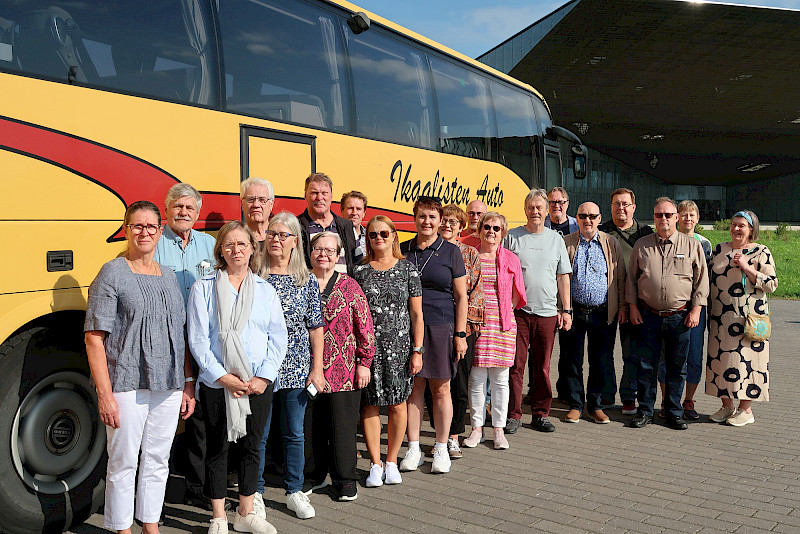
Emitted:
pixel 587 477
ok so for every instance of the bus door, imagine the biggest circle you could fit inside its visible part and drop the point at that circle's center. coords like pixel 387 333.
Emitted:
pixel 283 158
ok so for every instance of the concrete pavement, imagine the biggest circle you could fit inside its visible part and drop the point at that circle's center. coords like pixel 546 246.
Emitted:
pixel 587 477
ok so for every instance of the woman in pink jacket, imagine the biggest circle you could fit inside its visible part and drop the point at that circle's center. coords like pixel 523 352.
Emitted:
pixel 504 291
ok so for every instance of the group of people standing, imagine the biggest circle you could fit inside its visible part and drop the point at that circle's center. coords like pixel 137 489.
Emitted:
pixel 318 322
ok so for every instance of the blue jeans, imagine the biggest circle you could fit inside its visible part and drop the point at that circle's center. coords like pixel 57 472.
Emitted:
pixel 675 335
pixel 694 361
pixel 627 382
pixel 600 355
pixel 291 405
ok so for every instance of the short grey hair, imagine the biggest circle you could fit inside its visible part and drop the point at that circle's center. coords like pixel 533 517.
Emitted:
pixel 533 194
pixel 183 190
pixel 254 180
pixel 663 200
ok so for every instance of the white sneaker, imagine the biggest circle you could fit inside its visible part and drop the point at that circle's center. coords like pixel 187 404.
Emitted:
pixel 475 437
pixel 500 441
pixel 298 503
pixel 721 415
pixel 392 474
pixel 453 449
pixel 218 526
pixel 375 477
pixel 258 505
pixel 252 523
pixel 441 460
pixel 741 418
pixel 413 459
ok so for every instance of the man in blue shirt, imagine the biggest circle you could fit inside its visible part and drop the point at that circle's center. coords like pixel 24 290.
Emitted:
pixel 598 302
pixel 191 255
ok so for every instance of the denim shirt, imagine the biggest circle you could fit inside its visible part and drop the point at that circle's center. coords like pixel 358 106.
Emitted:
pixel 190 263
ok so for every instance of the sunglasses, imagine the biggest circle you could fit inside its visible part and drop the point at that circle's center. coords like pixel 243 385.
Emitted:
pixel 663 215
pixel 488 227
pixel 383 233
pixel 592 216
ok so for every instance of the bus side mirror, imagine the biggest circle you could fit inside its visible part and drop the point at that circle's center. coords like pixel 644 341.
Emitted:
pixel 579 153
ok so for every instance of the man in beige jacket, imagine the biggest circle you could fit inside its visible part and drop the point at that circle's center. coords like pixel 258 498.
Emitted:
pixel 598 303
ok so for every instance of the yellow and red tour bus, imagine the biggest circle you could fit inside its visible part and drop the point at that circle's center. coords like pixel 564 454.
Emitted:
pixel 106 103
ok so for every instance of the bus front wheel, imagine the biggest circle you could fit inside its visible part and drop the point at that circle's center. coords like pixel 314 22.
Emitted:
pixel 52 444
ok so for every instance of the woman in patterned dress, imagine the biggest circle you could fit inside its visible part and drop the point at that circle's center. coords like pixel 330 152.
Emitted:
pixel 737 368
pixel 285 268
pixel 504 291
pixel 394 293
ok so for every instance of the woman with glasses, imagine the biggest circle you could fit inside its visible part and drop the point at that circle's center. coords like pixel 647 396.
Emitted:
pixel 454 220
pixel 742 274
pixel 347 358
pixel 394 293
pixel 238 338
pixel 285 268
pixel 444 308
pixel 135 347
pixel 504 292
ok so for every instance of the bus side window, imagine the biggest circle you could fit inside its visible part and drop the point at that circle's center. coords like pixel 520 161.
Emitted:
pixel 516 126
pixel 150 48
pixel 466 118
pixel 283 61
pixel 394 101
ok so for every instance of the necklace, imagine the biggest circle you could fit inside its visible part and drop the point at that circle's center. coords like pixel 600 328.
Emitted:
pixel 153 268
pixel 418 252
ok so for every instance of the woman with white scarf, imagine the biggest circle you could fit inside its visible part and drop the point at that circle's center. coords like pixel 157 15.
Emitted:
pixel 238 336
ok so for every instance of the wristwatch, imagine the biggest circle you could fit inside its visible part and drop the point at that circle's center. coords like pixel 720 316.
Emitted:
pixel 421 350
pixel 189 379
pixel 567 311
pixel 461 334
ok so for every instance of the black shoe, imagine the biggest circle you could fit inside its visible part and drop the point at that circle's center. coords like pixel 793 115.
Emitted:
pixel 512 425
pixel 542 424
pixel 198 501
pixel 688 410
pixel 346 491
pixel 662 413
pixel 677 423
pixel 640 421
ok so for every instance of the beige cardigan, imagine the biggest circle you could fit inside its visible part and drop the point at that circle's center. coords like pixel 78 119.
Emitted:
pixel 616 269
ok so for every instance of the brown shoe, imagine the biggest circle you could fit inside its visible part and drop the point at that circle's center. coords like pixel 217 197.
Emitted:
pixel 573 416
pixel 599 417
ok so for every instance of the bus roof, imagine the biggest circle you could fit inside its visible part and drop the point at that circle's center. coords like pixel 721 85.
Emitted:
pixel 435 45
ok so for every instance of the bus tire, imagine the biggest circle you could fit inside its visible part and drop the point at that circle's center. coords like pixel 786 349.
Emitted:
pixel 52 444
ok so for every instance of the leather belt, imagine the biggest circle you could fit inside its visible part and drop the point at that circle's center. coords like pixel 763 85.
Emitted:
pixel 588 310
pixel 663 313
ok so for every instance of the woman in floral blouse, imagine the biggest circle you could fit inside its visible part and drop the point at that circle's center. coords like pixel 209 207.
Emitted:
pixel 347 357
pixel 285 268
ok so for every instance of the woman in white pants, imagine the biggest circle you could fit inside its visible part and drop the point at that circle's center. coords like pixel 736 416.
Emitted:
pixel 136 350
pixel 504 291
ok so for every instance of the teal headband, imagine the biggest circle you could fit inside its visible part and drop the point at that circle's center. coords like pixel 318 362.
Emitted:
pixel 745 216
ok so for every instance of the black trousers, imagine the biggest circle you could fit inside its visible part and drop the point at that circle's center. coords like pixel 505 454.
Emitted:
pixel 334 429
pixel 195 442
pixel 459 390
pixel 217 445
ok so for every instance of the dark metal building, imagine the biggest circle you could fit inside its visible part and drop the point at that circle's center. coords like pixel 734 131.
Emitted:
pixel 689 99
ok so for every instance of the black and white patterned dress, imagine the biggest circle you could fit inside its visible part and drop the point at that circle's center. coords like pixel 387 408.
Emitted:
pixel 387 293
pixel 736 367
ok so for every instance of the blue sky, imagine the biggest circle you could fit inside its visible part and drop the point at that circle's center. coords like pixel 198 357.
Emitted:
pixel 472 27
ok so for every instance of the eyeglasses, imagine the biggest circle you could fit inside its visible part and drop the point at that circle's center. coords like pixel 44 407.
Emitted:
pixel 451 222
pixel 592 216
pixel 663 215
pixel 152 229
pixel 555 203
pixel 623 205
pixel 488 227
pixel 282 236
pixel 261 200
pixel 239 245
pixel 383 233
pixel 330 252
pixel 475 213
